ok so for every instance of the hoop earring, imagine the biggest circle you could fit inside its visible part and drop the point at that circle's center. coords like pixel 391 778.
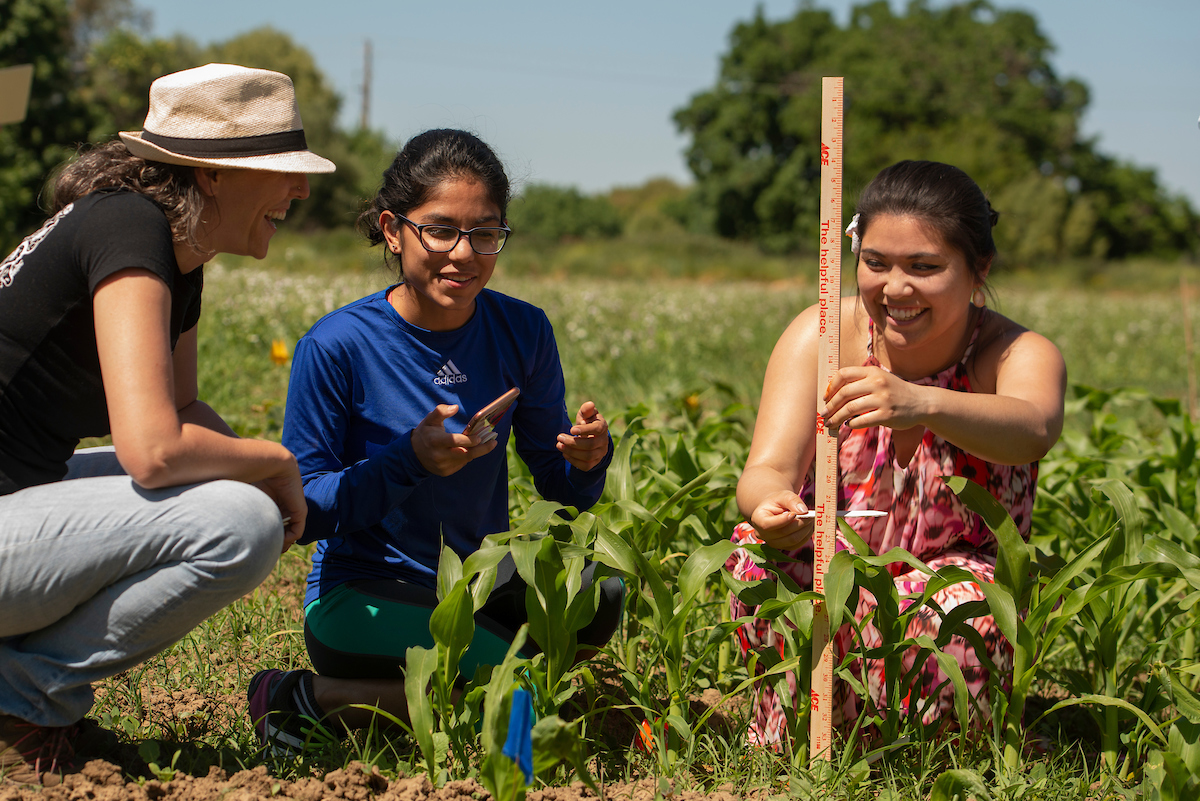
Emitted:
pixel 978 299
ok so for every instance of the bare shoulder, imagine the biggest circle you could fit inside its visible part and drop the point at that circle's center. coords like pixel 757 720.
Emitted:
pixel 802 332
pixel 1003 343
pixel 803 335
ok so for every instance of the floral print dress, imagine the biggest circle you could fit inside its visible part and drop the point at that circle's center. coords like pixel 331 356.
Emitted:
pixel 929 521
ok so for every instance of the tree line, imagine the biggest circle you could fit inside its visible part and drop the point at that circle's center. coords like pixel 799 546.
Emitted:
pixel 970 84
pixel 93 66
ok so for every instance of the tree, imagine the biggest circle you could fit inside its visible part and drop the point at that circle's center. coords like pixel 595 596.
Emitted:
pixel 967 84
pixel 93 20
pixel 37 32
pixel 658 206
pixel 118 71
pixel 555 213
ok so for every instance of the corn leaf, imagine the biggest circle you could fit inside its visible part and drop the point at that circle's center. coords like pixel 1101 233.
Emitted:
pixel 1012 563
pixel 960 785
pixel 452 625
pixel 419 664
pixel 703 562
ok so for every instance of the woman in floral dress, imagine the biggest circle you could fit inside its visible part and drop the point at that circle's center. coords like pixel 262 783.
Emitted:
pixel 933 383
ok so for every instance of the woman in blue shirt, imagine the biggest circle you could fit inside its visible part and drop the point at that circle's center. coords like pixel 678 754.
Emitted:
pixel 380 391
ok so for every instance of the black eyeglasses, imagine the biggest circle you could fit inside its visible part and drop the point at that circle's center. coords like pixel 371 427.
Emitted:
pixel 442 238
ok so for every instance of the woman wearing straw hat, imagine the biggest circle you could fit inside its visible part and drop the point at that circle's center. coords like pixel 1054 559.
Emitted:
pixel 108 556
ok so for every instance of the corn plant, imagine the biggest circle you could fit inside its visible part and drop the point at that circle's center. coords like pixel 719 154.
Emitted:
pixel 637 532
pixel 556 603
pixel 789 609
pixel 672 612
pixel 854 571
pixel 440 721
pixel 445 713
pixel 1056 597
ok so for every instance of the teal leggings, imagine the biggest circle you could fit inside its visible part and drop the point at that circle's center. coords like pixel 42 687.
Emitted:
pixel 362 629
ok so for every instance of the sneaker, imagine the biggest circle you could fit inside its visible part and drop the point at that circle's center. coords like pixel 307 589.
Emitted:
pixel 282 728
pixel 32 754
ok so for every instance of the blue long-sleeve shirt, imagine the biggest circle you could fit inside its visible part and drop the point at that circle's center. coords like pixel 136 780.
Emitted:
pixel 363 378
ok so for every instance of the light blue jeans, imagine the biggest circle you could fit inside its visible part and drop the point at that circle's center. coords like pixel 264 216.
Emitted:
pixel 98 574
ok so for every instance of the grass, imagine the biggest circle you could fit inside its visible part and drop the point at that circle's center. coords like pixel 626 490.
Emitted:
pixel 688 339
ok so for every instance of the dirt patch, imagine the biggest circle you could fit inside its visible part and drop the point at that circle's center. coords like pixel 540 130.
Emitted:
pixel 103 781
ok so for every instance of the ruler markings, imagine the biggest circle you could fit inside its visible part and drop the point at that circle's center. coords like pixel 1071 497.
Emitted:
pixel 828 360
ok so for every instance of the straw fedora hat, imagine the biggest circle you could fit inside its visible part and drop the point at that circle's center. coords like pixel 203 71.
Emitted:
pixel 223 115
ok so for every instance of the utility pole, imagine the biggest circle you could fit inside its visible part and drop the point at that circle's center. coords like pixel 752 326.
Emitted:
pixel 364 121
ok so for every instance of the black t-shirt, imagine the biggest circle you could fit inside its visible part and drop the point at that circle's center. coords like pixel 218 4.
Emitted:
pixel 51 390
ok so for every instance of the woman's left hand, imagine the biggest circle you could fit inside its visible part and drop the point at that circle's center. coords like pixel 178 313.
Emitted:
pixel 871 396
pixel 287 490
pixel 587 444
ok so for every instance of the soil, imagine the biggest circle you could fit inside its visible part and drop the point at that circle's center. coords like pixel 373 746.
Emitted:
pixel 191 716
pixel 194 715
pixel 103 781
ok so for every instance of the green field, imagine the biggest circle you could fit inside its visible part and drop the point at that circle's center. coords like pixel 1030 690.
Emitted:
pixel 676 365
pixel 657 339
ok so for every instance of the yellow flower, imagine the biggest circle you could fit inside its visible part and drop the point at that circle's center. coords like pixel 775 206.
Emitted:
pixel 279 351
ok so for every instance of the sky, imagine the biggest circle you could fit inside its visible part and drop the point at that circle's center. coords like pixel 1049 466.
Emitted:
pixel 583 94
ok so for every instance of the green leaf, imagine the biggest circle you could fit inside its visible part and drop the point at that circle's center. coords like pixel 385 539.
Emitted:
pixel 681 460
pixel 699 481
pixel 678 726
pixel 524 553
pixel 839 582
pixel 857 543
pixel 535 522
pixel 1123 548
pixel 1012 563
pixel 481 566
pixel 1184 740
pixel 502 778
pixel 615 551
pixel 635 510
pixel 449 572
pixel 1062 580
pixel 1187 703
pixel 619 483
pixel 961 785
pixel 498 699
pixel 482 559
pixel 1179 524
pixel 419 664
pixel 1170 778
pixel 1104 700
pixel 554 741
pixel 703 562
pixel 1003 609
pixel 582 608
pixel 951 668
pixel 1161 550
pixel 452 625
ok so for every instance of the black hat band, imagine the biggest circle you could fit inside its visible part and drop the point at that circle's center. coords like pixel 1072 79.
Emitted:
pixel 234 147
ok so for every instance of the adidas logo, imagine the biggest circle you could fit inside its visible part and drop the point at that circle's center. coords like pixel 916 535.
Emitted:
pixel 449 374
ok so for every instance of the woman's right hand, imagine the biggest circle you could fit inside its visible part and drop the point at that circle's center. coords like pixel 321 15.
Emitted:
pixel 441 452
pixel 777 521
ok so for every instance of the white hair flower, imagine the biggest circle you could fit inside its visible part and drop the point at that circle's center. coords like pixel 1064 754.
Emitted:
pixel 852 232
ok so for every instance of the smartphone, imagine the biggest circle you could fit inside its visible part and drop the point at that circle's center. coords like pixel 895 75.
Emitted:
pixel 485 419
